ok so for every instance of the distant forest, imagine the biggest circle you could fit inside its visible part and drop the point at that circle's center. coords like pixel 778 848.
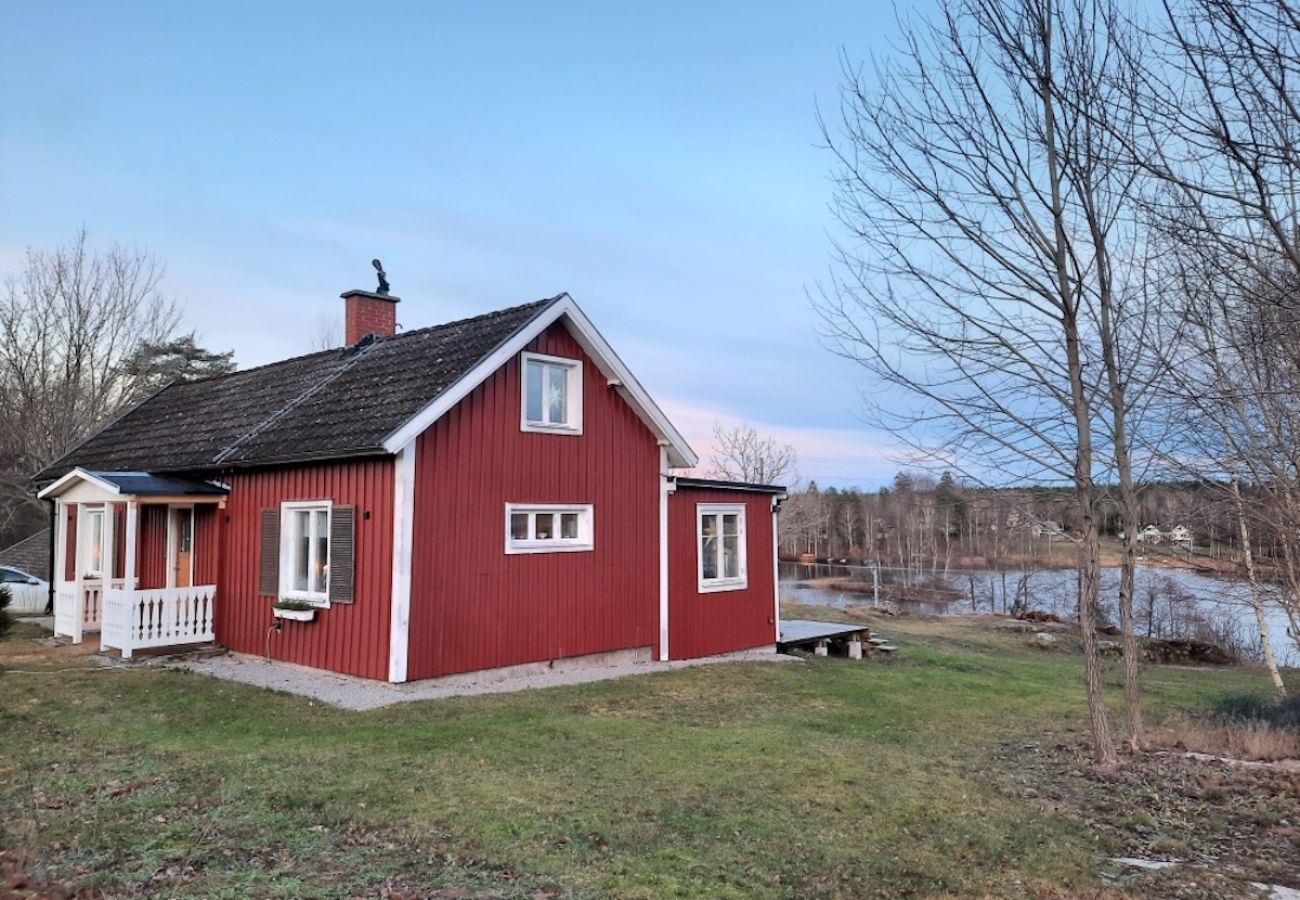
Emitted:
pixel 924 523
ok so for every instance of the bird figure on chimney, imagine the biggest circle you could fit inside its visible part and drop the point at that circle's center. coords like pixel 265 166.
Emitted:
pixel 383 276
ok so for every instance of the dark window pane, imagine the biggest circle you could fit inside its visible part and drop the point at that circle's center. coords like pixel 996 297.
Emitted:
pixel 533 383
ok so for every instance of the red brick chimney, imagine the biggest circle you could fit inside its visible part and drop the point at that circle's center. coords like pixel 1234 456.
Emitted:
pixel 366 312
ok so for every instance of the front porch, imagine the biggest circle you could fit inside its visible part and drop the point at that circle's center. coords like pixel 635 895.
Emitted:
pixel 135 558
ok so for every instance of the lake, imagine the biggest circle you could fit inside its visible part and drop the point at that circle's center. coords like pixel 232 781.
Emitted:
pixel 1167 602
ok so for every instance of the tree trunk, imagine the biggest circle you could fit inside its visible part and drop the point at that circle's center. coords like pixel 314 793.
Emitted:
pixel 1256 601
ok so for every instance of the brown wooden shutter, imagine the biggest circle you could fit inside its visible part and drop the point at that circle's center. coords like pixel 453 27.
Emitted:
pixel 268 572
pixel 342 555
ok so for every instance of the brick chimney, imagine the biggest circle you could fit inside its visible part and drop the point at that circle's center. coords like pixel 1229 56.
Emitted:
pixel 366 312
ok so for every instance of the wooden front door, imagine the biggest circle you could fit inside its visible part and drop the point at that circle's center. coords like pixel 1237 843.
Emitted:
pixel 180 551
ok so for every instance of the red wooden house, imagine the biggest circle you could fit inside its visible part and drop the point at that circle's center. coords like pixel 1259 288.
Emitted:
pixel 486 493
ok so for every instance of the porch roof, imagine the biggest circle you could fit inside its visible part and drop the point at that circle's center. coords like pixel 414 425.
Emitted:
pixel 136 484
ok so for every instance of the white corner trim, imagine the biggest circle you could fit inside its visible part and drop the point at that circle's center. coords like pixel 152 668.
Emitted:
pixel 584 332
pixel 399 620
pixel 776 573
pixel 664 489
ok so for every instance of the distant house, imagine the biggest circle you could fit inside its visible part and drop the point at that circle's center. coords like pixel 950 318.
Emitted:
pixel 1047 529
pixel 487 493
pixel 1151 534
pixel 1180 534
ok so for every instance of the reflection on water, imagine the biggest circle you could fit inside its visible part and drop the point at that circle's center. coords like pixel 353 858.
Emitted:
pixel 1167 602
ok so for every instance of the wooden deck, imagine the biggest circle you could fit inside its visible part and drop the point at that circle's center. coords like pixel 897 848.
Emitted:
pixel 830 638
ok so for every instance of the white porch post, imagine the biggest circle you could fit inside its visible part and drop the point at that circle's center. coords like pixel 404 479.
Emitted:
pixel 59 563
pixel 78 582
pixel 128 579
pixel 108 562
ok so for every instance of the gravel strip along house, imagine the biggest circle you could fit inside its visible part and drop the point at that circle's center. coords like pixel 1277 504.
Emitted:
pixel 481 494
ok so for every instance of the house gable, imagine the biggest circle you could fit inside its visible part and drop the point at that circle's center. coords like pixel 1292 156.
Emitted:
pixel 597 349
pixel 473 605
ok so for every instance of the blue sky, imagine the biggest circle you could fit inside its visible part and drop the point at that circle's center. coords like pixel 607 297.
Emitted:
pixel 659 163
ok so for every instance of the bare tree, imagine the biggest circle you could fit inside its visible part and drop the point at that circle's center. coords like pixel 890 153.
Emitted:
pixel 1222 131
pixel 976 205
pixel 328 333
pixel 68 324
pixel 742 454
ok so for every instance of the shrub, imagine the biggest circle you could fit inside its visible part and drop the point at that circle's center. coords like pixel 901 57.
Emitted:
pixel 1262 709
pixel 6 620
pixel 299 605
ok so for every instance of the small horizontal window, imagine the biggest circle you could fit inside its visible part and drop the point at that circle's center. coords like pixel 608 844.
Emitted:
pixel 548 527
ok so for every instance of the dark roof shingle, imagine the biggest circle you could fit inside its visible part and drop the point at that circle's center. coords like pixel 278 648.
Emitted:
pixel 331 404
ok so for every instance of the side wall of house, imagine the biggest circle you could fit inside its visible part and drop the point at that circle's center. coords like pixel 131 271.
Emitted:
pixel 473 606
pixel 702 624
pixel 350 638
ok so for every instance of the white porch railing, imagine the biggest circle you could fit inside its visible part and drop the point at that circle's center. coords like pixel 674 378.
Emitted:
pixel 157 617
pixel 66 611
pixel 73 618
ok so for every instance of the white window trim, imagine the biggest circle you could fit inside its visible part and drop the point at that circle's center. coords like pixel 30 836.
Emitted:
pixel 83 563
pixel 287 549
pixel 712 585
pixel 573 391
pixel 586 529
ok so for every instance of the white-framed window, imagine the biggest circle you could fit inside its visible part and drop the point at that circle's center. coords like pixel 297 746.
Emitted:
pixel 721 542
pixel 305 550
pixel 551 394
pixel 92 543
pixel 548 527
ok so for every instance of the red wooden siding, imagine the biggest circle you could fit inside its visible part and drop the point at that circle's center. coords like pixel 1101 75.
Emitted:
pixel 720 621
pixel 119 540
pixel 350 638
pixel 206 543
pixel 151 546
pixel 70 548
pixel 475 607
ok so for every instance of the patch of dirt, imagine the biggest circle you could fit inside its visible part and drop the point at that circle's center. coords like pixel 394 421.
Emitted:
pixel 1224 821
pixel 18 881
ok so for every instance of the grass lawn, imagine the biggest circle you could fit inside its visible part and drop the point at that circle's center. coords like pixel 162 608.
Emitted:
pixel 828 778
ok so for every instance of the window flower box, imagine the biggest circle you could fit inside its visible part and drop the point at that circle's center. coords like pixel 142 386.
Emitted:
pixel 295 610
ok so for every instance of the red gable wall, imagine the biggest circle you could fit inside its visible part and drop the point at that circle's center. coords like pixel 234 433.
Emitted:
pixel 475 607
pixel 350 638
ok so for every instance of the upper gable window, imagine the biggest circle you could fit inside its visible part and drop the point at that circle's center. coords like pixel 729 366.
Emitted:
pixel 552 394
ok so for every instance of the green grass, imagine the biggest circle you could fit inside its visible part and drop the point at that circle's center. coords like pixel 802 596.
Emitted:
pixel 830 778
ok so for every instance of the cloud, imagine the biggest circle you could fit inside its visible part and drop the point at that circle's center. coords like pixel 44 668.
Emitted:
pixel 839 456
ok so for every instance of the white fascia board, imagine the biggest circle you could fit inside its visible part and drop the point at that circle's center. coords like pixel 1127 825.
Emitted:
pixel 680 454
pixel 76 475
pixel 584 332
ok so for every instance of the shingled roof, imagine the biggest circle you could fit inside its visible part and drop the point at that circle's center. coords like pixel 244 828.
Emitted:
pixel 326 405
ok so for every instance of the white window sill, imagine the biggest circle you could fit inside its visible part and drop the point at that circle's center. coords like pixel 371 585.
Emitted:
pixel 713 587
pixel 543 428
pixel 549 548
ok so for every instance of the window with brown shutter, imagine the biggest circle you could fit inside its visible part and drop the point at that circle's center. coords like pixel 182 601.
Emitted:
pixel 342 555
pixel 268 567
